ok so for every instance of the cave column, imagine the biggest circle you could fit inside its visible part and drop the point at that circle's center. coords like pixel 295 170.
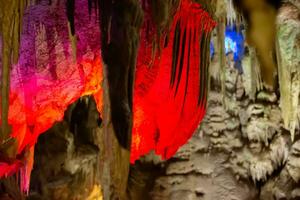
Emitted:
pixel 120 23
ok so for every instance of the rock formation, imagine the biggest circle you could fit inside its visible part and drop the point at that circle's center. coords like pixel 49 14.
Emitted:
pixel 244 150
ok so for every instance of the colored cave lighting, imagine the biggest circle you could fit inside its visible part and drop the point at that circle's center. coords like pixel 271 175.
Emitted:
pixel 165 117
pixel 211 49
pixel 46 80
pixel 234 42
pixel 230 46
pixel 38 102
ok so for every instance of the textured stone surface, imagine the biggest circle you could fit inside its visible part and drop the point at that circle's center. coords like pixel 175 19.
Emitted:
pixel 231 154
pixel 242 150
pixel 289 65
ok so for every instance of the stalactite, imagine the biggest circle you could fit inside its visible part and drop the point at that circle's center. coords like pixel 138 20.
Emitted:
pixel 185 36
pixel 73 40
pixel 158 17
pixel 221 50
pixel 231 17
pixel 120 23
pixel 288 60
pixel 210 6
pixel 70 10
pixel 252 77
pixel 178 80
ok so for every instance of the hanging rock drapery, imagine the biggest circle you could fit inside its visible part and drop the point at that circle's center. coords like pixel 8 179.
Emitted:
pixel 45 80
pixel 169 97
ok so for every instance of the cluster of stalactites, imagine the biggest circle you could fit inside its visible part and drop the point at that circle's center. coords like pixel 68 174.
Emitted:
pixel 192 36
pixel 11 20
pixel 158 18
pixel 225 9
pixel 70 12
pixel 191 33
pixel 177 79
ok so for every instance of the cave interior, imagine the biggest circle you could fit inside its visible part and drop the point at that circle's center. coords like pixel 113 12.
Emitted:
pixel 150 99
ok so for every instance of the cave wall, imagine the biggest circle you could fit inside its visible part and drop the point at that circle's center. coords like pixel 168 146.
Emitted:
pixel 242 149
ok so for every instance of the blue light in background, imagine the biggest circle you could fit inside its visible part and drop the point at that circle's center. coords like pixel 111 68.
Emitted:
pixel 234 42
pixel 230 45
pixel 212 49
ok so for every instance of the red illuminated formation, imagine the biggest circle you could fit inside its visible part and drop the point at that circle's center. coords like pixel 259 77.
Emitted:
pixel 169 97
